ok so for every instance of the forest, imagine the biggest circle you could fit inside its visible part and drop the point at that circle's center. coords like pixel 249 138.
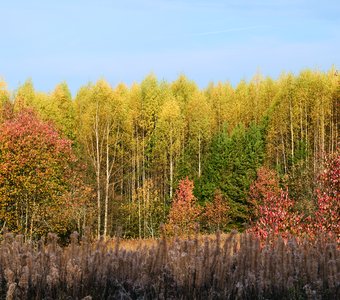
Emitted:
pixel 261 156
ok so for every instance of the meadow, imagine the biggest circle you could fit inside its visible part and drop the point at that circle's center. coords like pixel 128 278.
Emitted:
pixel 227 266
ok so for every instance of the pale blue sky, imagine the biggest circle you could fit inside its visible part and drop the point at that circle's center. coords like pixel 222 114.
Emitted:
pixel 123 41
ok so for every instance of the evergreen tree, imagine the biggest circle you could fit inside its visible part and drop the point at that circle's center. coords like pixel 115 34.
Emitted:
pixel 231 167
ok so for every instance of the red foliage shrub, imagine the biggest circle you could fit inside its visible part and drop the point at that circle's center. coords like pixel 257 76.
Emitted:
pixel 274 211
pixel 184 211
pixel 266 185
pixel 216 213
pixel 277 216
pixel 327 215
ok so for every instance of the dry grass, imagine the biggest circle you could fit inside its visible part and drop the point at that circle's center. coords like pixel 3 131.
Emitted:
pixel 232 267
pixel 134 244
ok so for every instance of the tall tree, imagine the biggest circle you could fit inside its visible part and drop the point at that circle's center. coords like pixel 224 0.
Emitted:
pixel 36 175
pixel 199 123
pixel 27 97
pixel 4 100
pixel 101 114
pixel 168 130
pixel 231 167
pixel 24 96
pixel 114 148
pixel 62 111
pixel 91 101
pixel 220 98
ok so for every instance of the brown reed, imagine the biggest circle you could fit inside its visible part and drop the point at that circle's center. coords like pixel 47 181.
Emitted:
pixel 236 266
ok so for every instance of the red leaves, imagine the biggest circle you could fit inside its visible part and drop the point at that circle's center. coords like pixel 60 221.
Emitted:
pixel 330 177
pixel 266 185
pixel 327 215
pixel 275 212
pixel 273 209
pixel 36 172
pixel 184 211
pixel 276 216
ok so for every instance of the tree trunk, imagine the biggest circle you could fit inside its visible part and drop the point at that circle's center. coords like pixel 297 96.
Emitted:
pixel 199 155
pixel 283 152
pixel 171 166
pixel 107 181
pixel 291 129
pixel 98 173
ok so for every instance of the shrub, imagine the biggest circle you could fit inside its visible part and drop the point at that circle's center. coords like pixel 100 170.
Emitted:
pixel 184 211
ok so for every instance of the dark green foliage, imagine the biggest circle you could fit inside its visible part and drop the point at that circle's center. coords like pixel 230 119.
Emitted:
pixel 187 164
pixel 231 167
pixel 162 132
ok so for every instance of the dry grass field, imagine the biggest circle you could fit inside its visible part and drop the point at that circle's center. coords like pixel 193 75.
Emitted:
pixel 234 266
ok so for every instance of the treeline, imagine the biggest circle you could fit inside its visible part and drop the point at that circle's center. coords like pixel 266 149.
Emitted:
pixel 134 144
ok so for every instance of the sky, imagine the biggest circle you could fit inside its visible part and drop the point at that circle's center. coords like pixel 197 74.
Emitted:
pixel 79 41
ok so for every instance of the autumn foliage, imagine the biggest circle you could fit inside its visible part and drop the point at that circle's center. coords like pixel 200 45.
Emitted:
pixel 276 212
pixel 160 132
pixel 327 215
pixel 266 185
pixel 215 214
pixel 184 212
pixel 276 215
pixel 37 176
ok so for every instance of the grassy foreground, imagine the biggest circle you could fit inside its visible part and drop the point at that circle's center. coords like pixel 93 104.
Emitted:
pixel 232 267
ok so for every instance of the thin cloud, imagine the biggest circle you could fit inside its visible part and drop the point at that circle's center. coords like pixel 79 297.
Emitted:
pixel 227 30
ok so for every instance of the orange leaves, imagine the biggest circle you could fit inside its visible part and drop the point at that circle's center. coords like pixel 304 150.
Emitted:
pixel 36 172
pixel 184 212
pixel 216 213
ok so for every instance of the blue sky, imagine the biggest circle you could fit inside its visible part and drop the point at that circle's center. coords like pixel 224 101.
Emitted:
pixel 123 41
